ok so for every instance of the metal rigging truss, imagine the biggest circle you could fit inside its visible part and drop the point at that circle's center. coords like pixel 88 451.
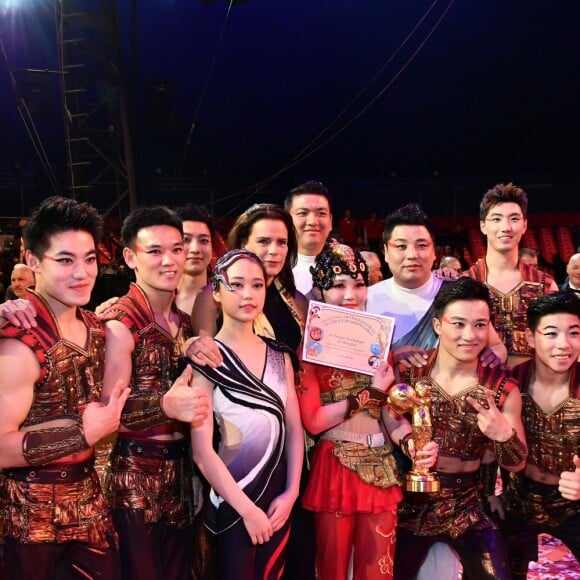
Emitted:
pixel 98 145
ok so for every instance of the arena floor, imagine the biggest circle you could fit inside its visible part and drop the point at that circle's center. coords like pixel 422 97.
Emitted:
pixel 555 563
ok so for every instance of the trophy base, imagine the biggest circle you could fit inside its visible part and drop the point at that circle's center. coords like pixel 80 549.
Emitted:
pixel 422 483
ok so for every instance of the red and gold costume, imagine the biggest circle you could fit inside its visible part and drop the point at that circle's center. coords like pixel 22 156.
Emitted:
pixel 150 479
pixel 508 314
pixel 553 439
pixel 59 502
pixel 455 515
pixel 352 481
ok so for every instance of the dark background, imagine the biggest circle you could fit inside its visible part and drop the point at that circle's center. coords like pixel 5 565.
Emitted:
pixel 480 92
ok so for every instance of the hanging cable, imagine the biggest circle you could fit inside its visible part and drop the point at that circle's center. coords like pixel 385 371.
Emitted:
pixel 204 88
pixel 381 92
pixel 309 150
pixel 379 72
pixel 29 125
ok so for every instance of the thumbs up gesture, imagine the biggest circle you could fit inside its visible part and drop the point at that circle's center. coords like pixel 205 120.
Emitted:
pixel 100 419
pixel 569 484
pixel 184 402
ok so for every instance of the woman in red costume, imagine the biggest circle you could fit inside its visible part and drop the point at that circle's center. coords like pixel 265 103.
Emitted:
pixel 353 487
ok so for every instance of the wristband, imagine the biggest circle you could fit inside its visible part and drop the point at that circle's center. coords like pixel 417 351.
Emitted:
pixel 512 452
pixel 47 445
pixel 404 444
pixel 143 411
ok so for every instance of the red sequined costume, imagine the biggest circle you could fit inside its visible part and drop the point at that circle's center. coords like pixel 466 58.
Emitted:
pixel 508 313
pixel 456 515
pixel 62 502
pixel 352 485
pixel 150 481
pixel 534 507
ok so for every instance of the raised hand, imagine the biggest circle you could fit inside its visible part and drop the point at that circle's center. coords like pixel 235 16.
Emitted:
pixel 569 484
pixel 99 419
pixel 204 350
pixel 491 422
pixel 19 312
pixel 185 403
pixel 257 525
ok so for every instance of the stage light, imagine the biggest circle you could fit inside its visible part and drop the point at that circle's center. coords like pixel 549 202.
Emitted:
pixel 13 5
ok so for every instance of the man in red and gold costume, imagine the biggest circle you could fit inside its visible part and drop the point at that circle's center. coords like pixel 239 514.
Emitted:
pixel 54 519
pixel 512 284
pixel 545 497
pixel 150 485
pixel 474 409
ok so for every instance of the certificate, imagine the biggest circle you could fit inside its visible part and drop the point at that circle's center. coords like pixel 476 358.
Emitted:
pixel 345 338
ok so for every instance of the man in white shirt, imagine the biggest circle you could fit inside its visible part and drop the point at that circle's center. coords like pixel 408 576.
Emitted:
pixel 408 295
pixel 309 206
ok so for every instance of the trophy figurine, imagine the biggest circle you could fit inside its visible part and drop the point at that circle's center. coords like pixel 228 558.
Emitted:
pixel 404 399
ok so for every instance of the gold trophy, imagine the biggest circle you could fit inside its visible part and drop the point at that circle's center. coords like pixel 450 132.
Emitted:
pixel 404 399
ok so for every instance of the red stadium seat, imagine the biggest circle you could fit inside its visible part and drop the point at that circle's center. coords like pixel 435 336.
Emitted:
pixel 529 240
pixel 565 243
pixel 548 247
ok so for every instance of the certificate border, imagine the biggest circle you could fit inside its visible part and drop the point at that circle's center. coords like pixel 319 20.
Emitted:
pixel 340 309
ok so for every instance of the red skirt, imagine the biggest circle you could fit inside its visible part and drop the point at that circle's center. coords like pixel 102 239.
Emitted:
pixel 334 488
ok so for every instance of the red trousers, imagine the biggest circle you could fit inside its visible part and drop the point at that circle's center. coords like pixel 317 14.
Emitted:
pixel 369 537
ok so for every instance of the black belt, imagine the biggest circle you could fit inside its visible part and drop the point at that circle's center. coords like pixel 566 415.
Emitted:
pixel 453 480
pixel 546 490
pixel 65 473
pixel 152 449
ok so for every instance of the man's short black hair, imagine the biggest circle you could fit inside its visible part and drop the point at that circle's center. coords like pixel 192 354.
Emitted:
pixel 310 187
pixel 146 217
pixel 566 302
pixel 460 289
pixel 56 215
pixel 411 214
